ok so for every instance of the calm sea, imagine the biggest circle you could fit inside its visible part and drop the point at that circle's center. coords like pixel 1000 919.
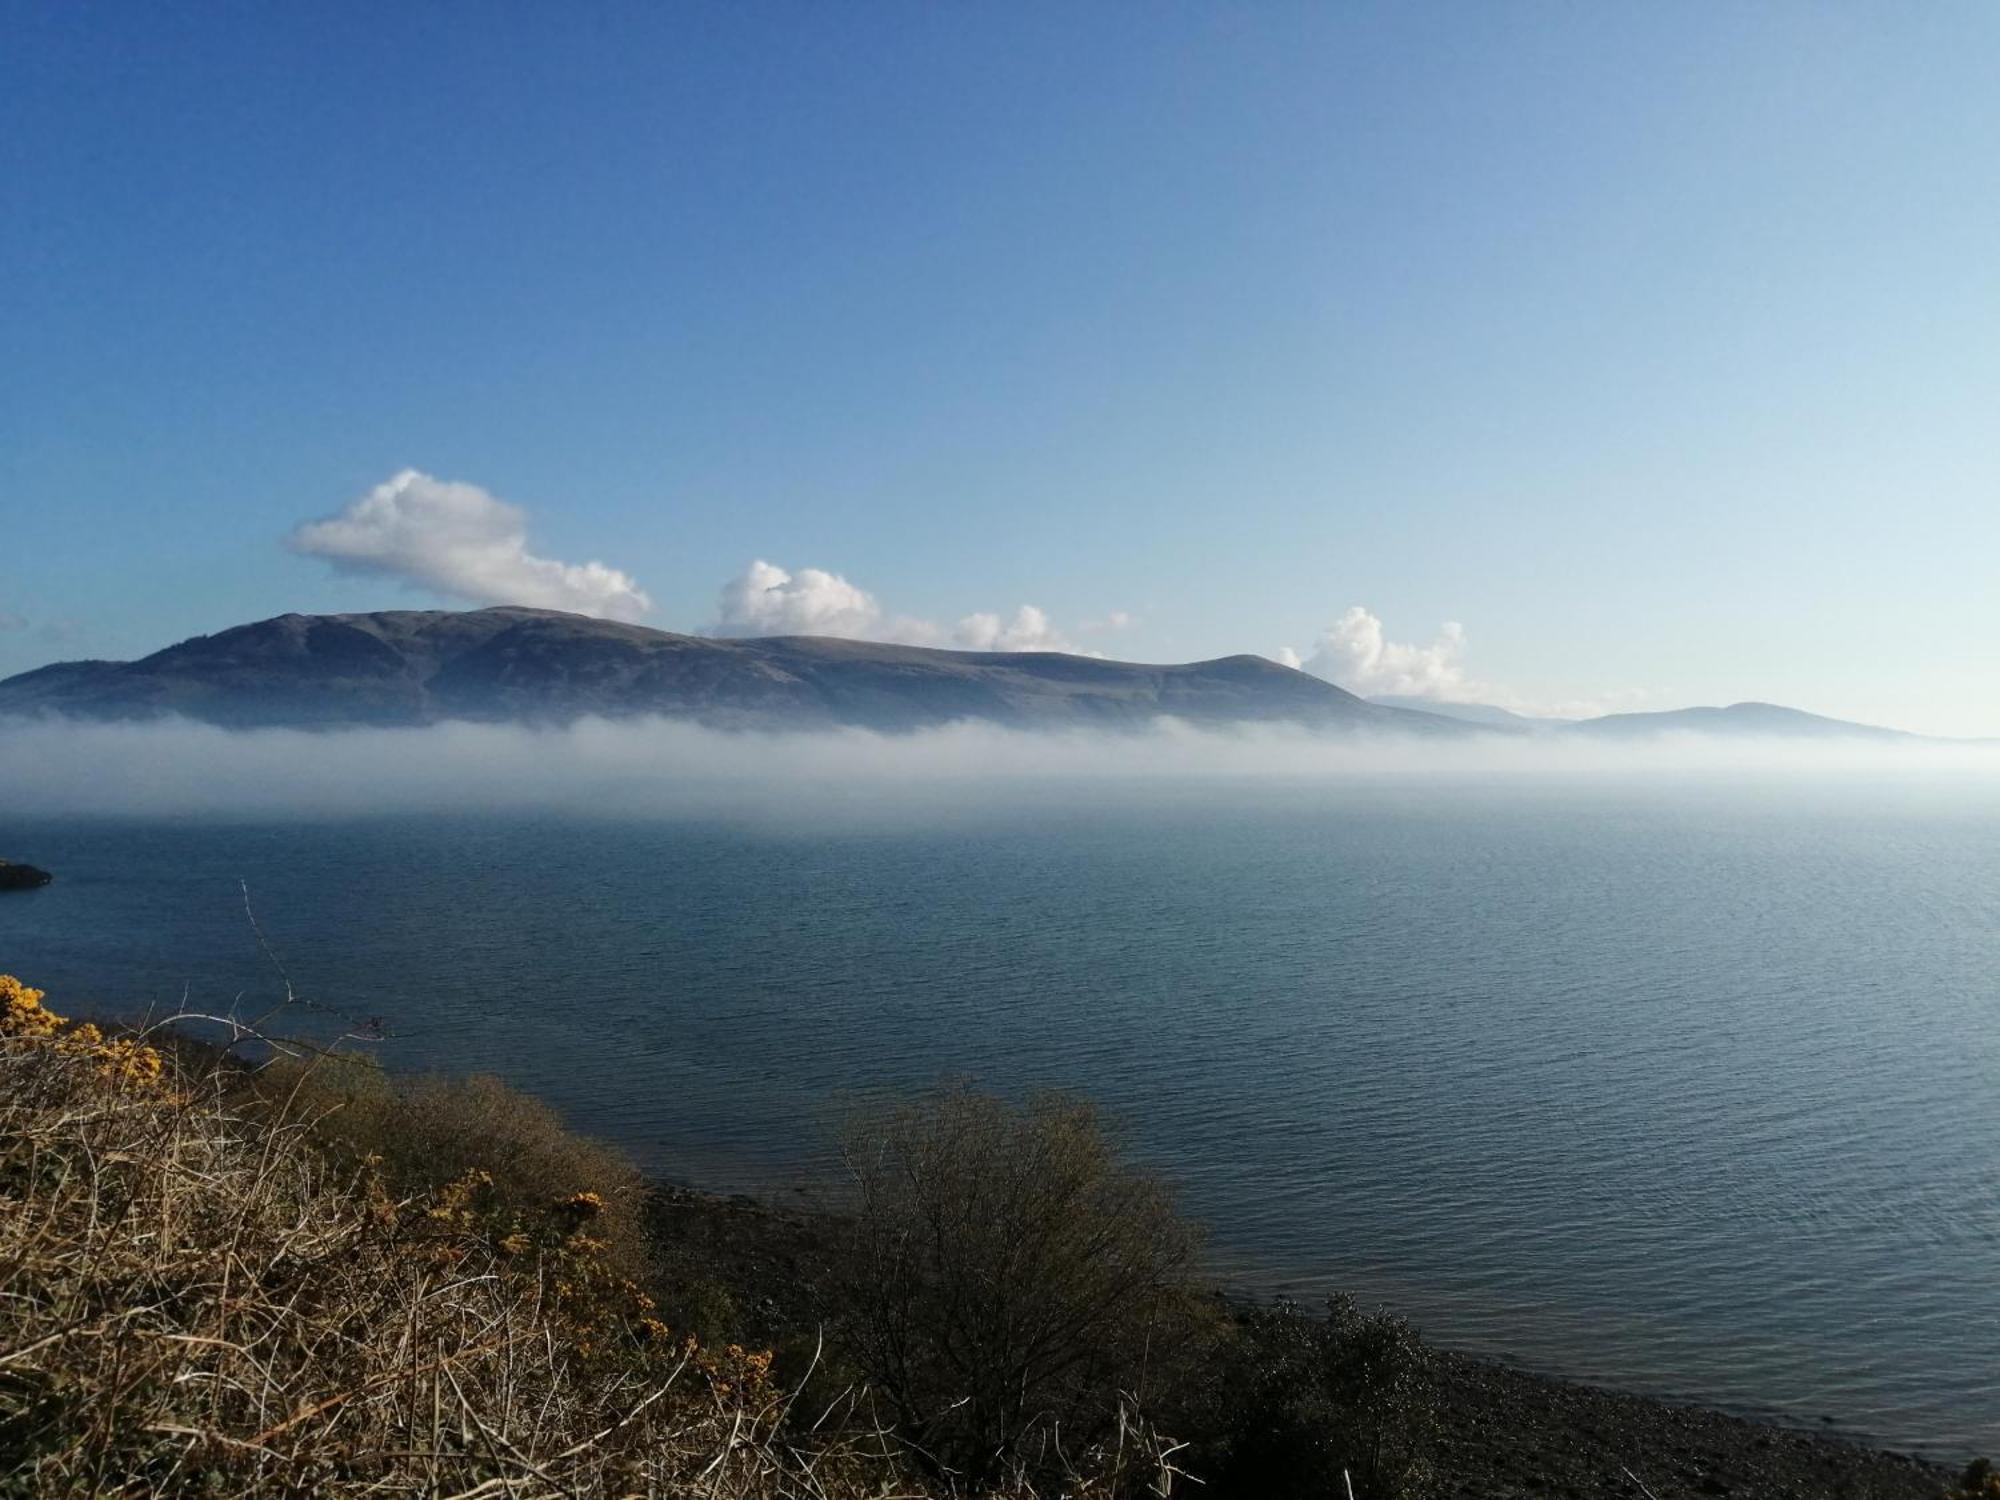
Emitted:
pixel 1685 1088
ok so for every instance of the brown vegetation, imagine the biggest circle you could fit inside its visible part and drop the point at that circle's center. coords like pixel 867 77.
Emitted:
pixel 192 1303
pixel 420 1131
pixel 204 1291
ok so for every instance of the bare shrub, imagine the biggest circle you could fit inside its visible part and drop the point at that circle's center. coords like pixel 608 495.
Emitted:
pixel 1012 1277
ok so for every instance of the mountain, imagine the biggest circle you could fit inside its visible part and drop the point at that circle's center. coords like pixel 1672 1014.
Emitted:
pixel 542 666
pixel 1485 714
pixel 1763 720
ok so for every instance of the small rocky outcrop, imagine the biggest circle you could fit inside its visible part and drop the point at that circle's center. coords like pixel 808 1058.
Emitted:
pixel 15 877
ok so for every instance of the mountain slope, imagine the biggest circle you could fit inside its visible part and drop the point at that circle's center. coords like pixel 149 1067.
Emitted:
pixel 1487 714
pixel 533 665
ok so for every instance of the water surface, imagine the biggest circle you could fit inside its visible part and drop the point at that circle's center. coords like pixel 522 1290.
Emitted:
pixel 1687 1088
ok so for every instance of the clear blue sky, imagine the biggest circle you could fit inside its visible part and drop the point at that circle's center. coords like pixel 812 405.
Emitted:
pixel 1659 345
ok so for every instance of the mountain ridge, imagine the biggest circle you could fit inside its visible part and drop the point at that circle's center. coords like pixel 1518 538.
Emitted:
pixel 1488 715
pixel 511 663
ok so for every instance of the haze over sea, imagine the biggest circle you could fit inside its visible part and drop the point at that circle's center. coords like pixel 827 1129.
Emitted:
pixel 1677 1083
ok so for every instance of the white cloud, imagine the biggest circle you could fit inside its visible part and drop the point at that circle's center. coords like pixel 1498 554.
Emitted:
pixel 1029 630
pixel 1355 653
pixel 11 621
pixel 456 539
pixel 765 599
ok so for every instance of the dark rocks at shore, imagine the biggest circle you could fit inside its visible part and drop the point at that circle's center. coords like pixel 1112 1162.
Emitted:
pixel 15 877
pixel 1506 1433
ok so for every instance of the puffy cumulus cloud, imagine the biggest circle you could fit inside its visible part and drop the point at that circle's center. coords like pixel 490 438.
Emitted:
pixel 456 539
pixel 1028 630
pixel 1355 653
pixel 765 599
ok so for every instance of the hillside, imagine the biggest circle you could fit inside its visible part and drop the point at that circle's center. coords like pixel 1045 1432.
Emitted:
pixel 1487 715
pixel 531 665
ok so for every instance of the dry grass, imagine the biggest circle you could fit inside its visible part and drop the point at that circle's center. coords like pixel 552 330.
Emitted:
pixel 196 1299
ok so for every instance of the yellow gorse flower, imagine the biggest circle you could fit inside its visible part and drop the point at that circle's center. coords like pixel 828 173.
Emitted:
pixel 455 1199
pixel 117 1059
pixel 21 1012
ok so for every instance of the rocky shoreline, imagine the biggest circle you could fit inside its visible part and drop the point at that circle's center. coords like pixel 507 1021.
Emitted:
pixel 1504 1433
pixel 1510 1432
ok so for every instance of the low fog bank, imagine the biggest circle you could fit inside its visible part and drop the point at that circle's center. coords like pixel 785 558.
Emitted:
pixel 663 767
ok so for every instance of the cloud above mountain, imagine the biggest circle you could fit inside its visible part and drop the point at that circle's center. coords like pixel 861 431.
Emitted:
pixel 1356 653
pixel 765 599
pixel 456 539
pixel 1028 630
pixel 452 538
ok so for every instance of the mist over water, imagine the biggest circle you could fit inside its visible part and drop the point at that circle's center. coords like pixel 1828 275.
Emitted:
pixel 1668 1065
pixel 665 767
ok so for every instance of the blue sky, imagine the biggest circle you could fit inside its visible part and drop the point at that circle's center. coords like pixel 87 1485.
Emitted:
pixel 1657 347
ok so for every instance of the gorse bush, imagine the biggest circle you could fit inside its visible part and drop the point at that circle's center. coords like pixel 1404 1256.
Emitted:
pixel 119 1060
pixel 424 1131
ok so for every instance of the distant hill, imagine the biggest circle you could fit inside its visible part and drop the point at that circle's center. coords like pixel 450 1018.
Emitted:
pixel 1738 720
pixel 1487 714
pixel 1763 720
pixel 541 666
